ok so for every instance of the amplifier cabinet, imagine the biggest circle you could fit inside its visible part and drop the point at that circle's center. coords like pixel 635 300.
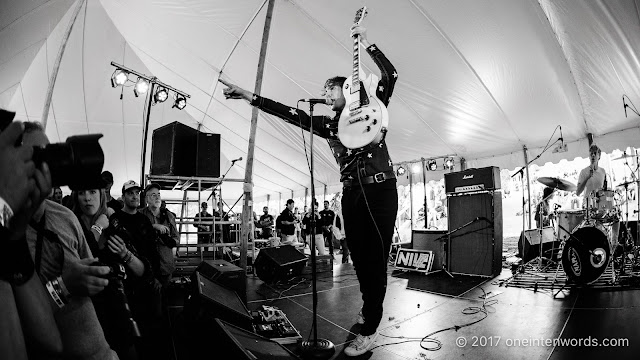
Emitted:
pixel 475 246
pixel 480 179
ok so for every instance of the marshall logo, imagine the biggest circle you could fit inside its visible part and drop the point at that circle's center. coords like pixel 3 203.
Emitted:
pixel 415 260
pixel 466 177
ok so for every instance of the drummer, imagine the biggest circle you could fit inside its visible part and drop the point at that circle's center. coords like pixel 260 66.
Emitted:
pixel 593 177
pixel 544 212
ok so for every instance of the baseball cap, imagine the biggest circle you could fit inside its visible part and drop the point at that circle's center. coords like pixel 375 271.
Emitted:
pixel 151 186
pixel 130 185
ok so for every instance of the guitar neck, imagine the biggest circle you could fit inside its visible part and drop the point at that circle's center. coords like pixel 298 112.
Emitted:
pixel 355 76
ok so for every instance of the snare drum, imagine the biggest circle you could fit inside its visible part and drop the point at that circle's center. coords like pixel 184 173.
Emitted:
pixel 568 220
pixel 601 205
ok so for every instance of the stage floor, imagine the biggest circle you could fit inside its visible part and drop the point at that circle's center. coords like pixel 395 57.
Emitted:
pixel 519 323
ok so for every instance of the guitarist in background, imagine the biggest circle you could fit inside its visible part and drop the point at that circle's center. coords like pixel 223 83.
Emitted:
pixel 370 199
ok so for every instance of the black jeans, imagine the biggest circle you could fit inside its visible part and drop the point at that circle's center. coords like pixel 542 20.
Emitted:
pixel 369 241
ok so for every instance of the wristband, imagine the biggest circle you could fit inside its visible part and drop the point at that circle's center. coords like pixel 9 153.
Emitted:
pixel 97 228
pixel 64 292
pixel 54 294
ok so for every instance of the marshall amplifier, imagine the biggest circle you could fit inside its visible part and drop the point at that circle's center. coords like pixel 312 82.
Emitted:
pixel 482 179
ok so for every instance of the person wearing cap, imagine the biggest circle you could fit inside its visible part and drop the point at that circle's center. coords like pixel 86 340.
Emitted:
pixel 138 252
pixel 164 223
pixel 111 201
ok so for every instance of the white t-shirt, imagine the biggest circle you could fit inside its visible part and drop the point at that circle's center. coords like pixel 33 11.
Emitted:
pixel 595 182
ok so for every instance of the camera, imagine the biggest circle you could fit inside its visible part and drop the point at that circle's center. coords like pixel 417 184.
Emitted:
pixel 117 272
pixel 77 162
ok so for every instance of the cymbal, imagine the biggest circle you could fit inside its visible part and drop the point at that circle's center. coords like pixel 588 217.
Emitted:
pixel 625 156
pixel 628 183
pixel 557 183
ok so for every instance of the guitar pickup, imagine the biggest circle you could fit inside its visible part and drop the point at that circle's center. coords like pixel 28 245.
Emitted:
pixel 355 112
pixel 353 121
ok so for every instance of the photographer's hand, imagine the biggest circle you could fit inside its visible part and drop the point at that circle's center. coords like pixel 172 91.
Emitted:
pixel 117 246
pixel 83 279
pixel 102 221
pixel 16 168
pixel 161 228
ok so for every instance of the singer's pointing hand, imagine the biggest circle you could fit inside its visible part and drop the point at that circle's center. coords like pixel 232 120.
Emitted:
pixel 235 92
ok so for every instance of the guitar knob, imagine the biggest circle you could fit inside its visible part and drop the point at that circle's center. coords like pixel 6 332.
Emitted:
pixel 368 128
pixel 366 117
pixel 375 121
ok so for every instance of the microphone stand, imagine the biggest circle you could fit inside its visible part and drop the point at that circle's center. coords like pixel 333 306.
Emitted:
pixel 316 348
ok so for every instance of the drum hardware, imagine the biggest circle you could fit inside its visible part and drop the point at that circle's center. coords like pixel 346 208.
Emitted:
pixel 557 183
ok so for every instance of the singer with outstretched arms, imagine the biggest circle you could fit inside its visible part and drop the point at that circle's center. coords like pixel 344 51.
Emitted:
pixel 370 200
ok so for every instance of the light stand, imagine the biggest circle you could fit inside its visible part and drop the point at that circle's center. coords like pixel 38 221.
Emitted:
pixel 316 348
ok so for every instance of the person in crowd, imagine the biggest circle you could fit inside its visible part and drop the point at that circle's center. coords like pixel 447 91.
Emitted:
pixel 287 225
pixel 204 231
pixel 544 211
pixel 63 258
pixel 138 252
pixel 328 217
pixel 56 195
pixel 90 206
pixel 25 306
pixel 303 227
pixel 298 225
pixel 265 222
pixel 370 197
pixel 112 202
pixel 319 239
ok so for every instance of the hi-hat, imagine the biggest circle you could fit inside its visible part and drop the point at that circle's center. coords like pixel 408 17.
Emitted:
pixel 557 183
pixel 626 156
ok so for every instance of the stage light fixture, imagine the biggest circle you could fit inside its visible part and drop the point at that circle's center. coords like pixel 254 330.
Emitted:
pixel 432 165
pixel 401 171
pixel 180 103
pixel 449 163
pixel 119 78
pixel 161 95
pixel 142 86
pixel 415 168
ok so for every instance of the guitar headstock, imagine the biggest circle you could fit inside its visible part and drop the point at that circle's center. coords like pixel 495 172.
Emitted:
pixel 360 14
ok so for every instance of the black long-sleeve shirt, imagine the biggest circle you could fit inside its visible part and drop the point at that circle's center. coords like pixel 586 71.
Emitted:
pixel 375 158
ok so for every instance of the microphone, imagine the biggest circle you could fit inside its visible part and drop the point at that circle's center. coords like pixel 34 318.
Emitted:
pixel 625 106
pixel 238 159
pixel 315 101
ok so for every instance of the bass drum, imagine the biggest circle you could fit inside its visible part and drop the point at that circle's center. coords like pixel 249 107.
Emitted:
pixel 585 255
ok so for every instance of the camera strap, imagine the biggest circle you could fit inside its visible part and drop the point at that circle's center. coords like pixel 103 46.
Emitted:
pixel 50 235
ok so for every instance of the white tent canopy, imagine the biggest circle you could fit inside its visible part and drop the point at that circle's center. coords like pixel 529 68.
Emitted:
pixel 477 79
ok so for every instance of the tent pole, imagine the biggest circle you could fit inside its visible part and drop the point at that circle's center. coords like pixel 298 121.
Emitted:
pixel 247 205
pixel 424 186
pixel 145 133
pixel 56 65
pixel 526 161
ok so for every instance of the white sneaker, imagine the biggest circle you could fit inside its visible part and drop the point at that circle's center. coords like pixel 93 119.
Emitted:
pixel 360 317
pixel 361 345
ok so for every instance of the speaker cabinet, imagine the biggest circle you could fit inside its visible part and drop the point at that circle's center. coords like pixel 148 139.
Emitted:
pixel 211 300
pixel 475 246
pixel 426 240
pixel 530 240
pixel 173 150
pixel 279 263
pixel 237 343
pixel 225 274
pixel 208 158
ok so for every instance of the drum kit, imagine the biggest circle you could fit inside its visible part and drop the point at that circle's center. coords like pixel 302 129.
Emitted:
pixel 589 237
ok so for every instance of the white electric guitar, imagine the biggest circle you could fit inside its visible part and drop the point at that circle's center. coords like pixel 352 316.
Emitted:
pixel 364 119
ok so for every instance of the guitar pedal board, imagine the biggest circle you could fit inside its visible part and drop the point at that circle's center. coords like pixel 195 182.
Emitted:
pixel 272 323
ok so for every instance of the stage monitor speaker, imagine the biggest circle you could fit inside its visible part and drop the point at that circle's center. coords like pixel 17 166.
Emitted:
pixel 211 300
pixel 208 158
pixel 475 246
pixel 279 263
pixel 425 240
pixel 237 343
pixel 529 244
pixel 225 274
pixel 173 150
